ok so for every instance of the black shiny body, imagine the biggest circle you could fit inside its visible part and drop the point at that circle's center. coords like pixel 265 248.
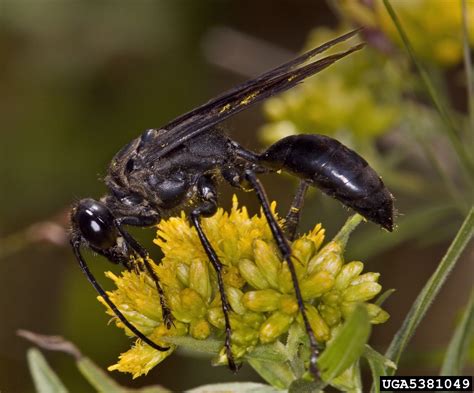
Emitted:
pixel 337 171
pixel 179 166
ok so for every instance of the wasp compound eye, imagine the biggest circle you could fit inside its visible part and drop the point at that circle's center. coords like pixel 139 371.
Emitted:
pixel 95 223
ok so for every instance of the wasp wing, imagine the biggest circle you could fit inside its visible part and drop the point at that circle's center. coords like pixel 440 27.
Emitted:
pixel 245 95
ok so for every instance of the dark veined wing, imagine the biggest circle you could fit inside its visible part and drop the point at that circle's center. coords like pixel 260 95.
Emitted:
pixel 245 95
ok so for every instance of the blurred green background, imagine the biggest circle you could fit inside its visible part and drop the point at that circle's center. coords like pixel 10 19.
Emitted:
pixel 79 79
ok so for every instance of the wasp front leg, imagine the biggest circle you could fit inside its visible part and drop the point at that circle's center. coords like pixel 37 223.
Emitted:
pixel 143 253
pixel 208 195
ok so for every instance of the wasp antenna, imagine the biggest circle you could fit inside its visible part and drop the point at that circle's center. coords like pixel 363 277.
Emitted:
pixel 76 244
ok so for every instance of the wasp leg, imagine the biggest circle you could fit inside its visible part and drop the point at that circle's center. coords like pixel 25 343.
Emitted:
pixel 292 219
pixel 143 253
pixel 285 250
pixel 206 188
pixel 76 244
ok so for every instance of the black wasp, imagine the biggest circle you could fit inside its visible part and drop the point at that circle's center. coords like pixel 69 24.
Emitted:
pixel 167 168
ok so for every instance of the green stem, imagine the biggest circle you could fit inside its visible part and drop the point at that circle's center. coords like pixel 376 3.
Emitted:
pixel 431 289
pixel 343 235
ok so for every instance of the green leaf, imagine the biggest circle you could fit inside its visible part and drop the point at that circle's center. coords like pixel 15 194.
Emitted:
pixel 349 380
pixel 430 290
pixel 209 345
pixel 303 386
pixel 347 346
pixel 378 365
pixel 459 344
pixel 44 378
pixel 234 387
pixel 277 374
pixel 97 377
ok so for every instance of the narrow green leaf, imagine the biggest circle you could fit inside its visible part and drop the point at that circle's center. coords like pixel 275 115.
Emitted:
pixel 97 377
pixel 459 344
pixel 384 296
pixel 347 346
pixel 234 387
pixel 378 366
pixel 44 378
pixel 277 374
pixel 430 290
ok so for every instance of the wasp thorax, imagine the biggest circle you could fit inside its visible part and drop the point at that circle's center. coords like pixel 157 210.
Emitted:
pixel 95 223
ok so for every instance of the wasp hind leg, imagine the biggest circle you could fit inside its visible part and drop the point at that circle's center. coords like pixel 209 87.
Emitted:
pixel 293 217
pixel 207 191
pixel 285 250
pixel 143 253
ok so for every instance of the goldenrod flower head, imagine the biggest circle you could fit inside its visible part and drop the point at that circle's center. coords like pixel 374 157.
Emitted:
pixel 258 285
pixel 355 99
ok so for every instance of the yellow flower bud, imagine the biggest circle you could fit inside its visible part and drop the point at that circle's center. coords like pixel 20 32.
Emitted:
pixel 232 277
pixel 182 272
pixel 235 299
pixel 320 328
pixel 216 317
pixel 199 279
pixel 288 304
pixel 267 260
pixel 252 274
pixel 253 319
pixel 361 292
pixel 316 285
pixel 186 305
pixel 331 250
pixel 366 277
pixel 262 301
pixel 348 273
pixel 285 283
pixel 376 314
pixel 332 315
pixel 244 336
pixel 277 324
pixel 302 250
pixel 200 329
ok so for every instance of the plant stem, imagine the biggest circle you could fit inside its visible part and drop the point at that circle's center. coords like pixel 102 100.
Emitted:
pixel 431 289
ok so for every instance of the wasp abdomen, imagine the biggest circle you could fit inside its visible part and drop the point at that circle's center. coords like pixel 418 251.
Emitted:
pixel 337 171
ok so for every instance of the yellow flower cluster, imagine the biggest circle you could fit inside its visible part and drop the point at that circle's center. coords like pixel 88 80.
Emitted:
pixel 355 99
pixel 258 285
pixel 434 28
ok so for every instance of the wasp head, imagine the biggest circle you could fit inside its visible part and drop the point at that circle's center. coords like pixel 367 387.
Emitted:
pixel 94 223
